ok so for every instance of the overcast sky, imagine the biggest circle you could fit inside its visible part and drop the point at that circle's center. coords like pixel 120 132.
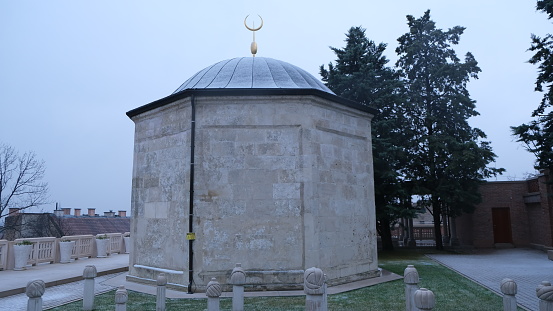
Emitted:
pixel 69 70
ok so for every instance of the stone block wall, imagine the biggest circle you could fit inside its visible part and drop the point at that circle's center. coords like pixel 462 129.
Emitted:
pixel 159 191
pixel 544 216
pixel 286 169
pixel 282 183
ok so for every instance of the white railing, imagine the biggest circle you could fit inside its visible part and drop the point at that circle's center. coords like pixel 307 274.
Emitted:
pixel 84 245
pixel 46 250
pixel 115 244
pixel 4 254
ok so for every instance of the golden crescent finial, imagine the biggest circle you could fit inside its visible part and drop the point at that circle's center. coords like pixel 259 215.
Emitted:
pixel 253 29
pixel 253 46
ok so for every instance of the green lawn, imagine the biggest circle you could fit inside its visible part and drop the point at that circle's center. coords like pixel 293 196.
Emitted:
pixel 452 291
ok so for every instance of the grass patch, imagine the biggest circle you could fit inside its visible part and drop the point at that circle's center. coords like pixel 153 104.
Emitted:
pixel 452 291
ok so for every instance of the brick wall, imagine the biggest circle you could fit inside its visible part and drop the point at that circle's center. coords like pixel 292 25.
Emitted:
pixel 541 220
pixel 530 214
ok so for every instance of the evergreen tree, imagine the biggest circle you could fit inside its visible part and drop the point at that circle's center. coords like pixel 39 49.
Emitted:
pixel 538 134
pixel 447 160
pixel 361 75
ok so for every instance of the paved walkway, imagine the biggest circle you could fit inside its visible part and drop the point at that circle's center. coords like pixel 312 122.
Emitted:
pixel 58 295
pixel 64 282
pixel 527 267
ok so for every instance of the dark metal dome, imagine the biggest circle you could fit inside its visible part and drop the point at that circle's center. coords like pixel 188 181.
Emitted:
pixel 254 73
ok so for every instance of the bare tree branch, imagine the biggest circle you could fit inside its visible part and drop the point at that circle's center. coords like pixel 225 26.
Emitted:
pixel 21 184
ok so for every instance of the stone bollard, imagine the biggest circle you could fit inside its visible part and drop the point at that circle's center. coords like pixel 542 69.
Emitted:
pixel 411 280
pixel 544 291
pixel 213 292
pixel 325 298
pixel 89 274
pixel 314 288
pixel 121 297
pixel 509 289
pixel 160 297
pixel 238 279
pixel 35 290
pixel 424 299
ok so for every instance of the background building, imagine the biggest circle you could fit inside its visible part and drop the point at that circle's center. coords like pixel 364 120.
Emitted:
pixel 517 213
pixel 62 223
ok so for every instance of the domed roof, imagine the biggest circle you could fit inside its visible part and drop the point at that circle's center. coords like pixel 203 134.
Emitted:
pixel 253 73
pixel 255 76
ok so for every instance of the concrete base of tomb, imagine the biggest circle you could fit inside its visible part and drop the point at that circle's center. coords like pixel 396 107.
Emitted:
pixel 259 280
pixel 151 282
pixel 353 278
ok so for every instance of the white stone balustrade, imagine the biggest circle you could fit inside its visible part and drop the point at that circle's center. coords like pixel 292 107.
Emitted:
pixel 84 245
pixel 44 250
pixel 127 243
pixel 4 254
pixel 47 249
pixel 115 244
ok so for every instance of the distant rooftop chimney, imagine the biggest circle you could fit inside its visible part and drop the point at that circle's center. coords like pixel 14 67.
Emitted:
pixel 58 212
pixel 13 211
pixel 109 214
pixel 77 212
pixel 91 212
pixel 66 210
pixel 122 213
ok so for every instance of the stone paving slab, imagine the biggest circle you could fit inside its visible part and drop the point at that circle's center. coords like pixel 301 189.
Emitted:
pixel 527 267
pixel 14 282
pixel 55 296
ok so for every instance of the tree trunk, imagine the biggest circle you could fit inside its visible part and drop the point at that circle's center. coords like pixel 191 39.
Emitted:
pixel 445 223
pixel 453 227
pixel 386 235
pixel 437 213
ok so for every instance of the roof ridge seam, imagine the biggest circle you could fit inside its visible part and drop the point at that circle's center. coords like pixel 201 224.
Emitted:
pixel 296 71
pixel 233 71
pixel 307 78
pixel 205 71
pixel 186 82
pixel 253 64
pixel 271 73
pixel 215 76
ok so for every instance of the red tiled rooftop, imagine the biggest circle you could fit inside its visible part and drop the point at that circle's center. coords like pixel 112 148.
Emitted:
pixel 95 225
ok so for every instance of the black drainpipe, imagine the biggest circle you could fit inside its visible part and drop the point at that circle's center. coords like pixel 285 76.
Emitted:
pixel 191 208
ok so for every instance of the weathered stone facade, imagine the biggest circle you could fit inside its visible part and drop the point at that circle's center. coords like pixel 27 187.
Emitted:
pixel 283 181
